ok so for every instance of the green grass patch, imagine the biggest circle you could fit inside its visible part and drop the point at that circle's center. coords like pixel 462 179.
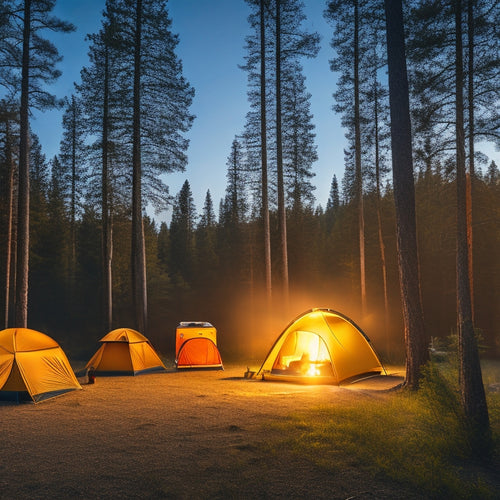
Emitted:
pixel 418 439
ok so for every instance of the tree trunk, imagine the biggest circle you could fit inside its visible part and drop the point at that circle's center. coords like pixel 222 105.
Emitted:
pixel 73 198
pixel 472 173
pixel 379 222
pixel 107 240
pixel 263 134
pixel 23 214
pixel 138 245
pixel 358 174
pixel 8 250
pixel 416 339
pixel 279 161
pixel 471 383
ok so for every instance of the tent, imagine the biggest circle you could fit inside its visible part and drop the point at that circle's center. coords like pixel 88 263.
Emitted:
pixel 196 346
pixel 125 352
pixel 320 346
pixel 33 367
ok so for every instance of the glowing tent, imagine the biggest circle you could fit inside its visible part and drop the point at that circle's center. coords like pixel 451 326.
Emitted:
pixel 125 352
pixel 320 346
pixel 196 346
pixel 33 367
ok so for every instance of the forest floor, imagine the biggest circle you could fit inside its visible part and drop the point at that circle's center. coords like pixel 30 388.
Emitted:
pixel 189 434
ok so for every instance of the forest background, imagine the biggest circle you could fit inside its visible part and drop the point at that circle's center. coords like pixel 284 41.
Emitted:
pixel 203 266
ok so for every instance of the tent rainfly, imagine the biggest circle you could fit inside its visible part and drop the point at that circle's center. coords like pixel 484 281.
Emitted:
pixel 320 346
pixel 125 352
pixel 196 346
pixel 33 367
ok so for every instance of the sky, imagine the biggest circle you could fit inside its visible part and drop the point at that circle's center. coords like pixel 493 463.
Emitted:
pixel 211 47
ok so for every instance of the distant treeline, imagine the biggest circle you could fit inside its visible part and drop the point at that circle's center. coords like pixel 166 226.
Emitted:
pixel 79 257
pixel 201 268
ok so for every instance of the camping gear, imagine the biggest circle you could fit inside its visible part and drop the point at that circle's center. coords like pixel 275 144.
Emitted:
pixel 320 346
pixel 125 352
pixel 196 346
pixel 33 367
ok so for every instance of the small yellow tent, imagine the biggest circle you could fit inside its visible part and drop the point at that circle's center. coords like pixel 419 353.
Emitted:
pixel 320 346
pixel 125 352
pixel 33 366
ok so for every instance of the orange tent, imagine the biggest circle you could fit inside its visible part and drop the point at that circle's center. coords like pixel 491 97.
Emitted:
pixel 320 346
pixel 196 346
pixel 33 367
pixel 125 352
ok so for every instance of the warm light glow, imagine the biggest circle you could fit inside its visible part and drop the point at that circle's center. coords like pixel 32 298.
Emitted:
pixel 312 371
pixel 303 353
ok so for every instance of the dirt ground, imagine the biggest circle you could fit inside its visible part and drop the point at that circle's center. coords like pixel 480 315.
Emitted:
pixel 186 435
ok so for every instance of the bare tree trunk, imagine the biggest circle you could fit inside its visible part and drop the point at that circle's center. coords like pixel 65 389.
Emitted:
pixel 472 173
pixel 359 175
pixel 24 181
pixel 73 197
pixel 107 240
pixel 8 258
pixel 416 339
pixel 138 245
pixel 379 222
pixel 279 160
pixel 263 134
pixel 471 383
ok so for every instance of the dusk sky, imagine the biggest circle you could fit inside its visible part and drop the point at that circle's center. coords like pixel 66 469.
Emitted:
pixel 212 38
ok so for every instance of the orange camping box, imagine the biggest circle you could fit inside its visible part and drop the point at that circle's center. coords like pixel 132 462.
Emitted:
pixel 196 346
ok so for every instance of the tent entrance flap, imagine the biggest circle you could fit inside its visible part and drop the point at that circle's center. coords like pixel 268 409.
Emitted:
pixel 196 346
pixel 303 354
pixel 199 353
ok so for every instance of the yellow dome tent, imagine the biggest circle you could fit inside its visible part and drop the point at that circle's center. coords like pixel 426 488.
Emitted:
pixel 320 346
pixel 125 352
pixel 33 366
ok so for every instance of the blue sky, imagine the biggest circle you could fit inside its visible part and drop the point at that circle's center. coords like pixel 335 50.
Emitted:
pixel 212 38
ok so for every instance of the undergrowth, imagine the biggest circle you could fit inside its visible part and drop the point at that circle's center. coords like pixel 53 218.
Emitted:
pixel 418 439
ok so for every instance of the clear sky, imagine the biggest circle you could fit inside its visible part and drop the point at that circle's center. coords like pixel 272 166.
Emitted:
pixel 212 38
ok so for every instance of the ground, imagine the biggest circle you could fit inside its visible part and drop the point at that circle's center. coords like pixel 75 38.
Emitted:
pixel 186 435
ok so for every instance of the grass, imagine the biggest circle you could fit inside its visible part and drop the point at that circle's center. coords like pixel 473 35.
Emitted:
pixel 417 439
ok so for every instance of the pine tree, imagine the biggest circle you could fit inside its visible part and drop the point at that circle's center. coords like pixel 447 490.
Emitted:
pixel 9 122
pixel 34 66
pixel 182 228
pixel 290 44
pixel 493 174
pixel 416 340
pixel 236 202
pixel 232 236
pixel 332 204
pixel 207 262
pixel 349 40
pixel 71 173
pixel 299 150
pixel 109 180
pixel 471 383
pixel 275 47
pixel 256 127
pixel 158 114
